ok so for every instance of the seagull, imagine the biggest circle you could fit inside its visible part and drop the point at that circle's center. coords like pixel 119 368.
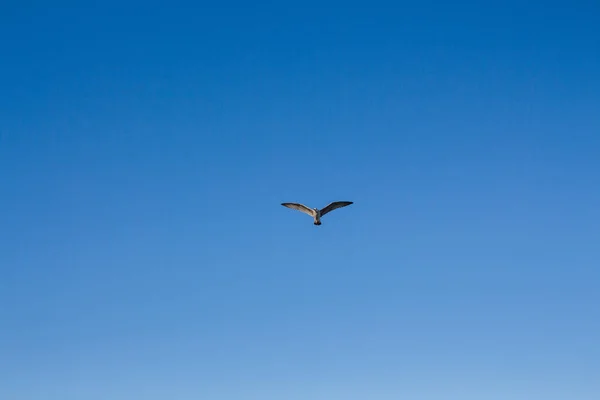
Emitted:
pixel 315 212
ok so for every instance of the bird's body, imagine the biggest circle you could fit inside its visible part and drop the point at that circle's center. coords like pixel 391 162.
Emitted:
pixel 315 212
pixel 317 217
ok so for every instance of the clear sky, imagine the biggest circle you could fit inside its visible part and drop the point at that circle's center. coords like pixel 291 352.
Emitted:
pixel 145 149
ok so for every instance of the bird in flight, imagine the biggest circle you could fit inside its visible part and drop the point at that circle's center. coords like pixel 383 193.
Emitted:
pixel 315 212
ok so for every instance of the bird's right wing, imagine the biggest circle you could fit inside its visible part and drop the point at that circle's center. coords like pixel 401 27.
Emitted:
pixel 299 207
pixel 335 205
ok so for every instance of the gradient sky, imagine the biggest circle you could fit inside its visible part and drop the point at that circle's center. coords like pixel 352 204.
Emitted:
pixel 145 149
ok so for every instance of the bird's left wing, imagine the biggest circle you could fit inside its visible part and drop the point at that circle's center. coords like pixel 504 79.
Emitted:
pixel 299 207
pixel 335 205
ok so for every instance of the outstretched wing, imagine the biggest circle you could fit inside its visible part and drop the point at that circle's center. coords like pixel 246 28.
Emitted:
pixel 299 207
pixel 335 205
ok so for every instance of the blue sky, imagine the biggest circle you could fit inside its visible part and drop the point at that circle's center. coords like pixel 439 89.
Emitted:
pixel 145 149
